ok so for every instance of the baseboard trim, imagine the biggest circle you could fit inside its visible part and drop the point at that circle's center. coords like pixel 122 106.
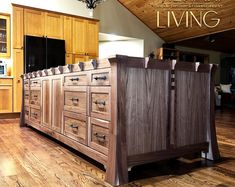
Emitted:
pixel 10 115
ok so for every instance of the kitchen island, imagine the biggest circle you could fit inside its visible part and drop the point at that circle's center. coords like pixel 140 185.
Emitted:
pixel 122 112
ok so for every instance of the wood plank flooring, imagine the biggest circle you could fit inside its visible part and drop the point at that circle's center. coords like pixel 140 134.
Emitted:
pixel 30 159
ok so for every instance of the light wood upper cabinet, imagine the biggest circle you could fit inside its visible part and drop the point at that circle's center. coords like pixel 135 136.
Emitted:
pixel 68 33
pixel 54 25
pixel 18 27
pixel 6 95
pixel 5 36
pixel 85 37
pixel 79 36
pixel 34 22
pixel 17 71
pixel 92 38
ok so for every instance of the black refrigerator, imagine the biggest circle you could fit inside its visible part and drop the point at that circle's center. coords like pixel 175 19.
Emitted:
pixel 43 53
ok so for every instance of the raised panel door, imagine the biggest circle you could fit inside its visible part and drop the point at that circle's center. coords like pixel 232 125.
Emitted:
pixel 79 36
pixel 34 22
pixel 68 37
pixel 46 102
pixel 56 104
pixel 92 38
pixel 18 27
pixel 53 25
pixel 17 71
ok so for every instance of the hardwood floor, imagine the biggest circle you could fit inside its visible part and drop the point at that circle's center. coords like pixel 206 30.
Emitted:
pixel 29 159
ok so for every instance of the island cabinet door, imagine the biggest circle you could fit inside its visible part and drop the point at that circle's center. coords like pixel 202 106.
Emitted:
pixel 57 104
pixel 46 102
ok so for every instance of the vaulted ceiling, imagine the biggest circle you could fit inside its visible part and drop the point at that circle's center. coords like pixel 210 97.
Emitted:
pixel 146 11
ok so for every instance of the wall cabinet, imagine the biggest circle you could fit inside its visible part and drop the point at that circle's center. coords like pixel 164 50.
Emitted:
pixel 39 23
pixel 34 22
pixel 53 25
pixel 85 37
pixel 5 35
pixel 17 71
pixel 18 27
pixel 6 100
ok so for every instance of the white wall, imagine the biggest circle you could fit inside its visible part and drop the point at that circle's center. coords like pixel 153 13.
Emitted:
pixel 66 6
pixel 116 19
pixel 129 48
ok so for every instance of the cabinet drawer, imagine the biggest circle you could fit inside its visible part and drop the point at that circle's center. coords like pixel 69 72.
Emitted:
pixel 75 100
pixel 26 83
pixel 99 135
pixel 100 104
pixel 100 77
pixel 75 127
pixel 35 83
pixel 26 113
pixel 26 97
pixel 35 115
pixel 35 97
pixel 76 79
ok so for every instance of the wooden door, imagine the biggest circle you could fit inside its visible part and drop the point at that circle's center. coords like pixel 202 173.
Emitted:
pixel 6 95
pixel 68 58
pixel 53 25
pixel 79 36
pixel 17 71
pixel 92 38
pixel 18 27
pixel 68 30
pixel 57 104
pixel 34 22
pixel 46 102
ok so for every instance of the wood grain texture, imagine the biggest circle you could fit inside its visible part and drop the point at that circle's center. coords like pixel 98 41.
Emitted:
pixel 28 158
pixel 192 107
pixel 146 11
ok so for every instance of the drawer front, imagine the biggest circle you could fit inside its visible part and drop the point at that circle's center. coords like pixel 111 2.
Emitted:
pixel 35 83
pixel 26 113
pixel 100 77
pixel 35 97
pixel 99 135
pixel 26 83
pixel 75 127
pixel 100 104
pixel 26 97
pixel 35 115
pixel 76 79
pixel 76 100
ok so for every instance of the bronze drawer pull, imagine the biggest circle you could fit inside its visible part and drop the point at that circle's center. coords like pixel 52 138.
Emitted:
pixel 26 95
pixel 100 103
pixel 74 79
pixel 100 78
pixel 35 96
pixel 74 99
pixel 74 126
pixel 35 82
pixel 100 137
pixel 35 114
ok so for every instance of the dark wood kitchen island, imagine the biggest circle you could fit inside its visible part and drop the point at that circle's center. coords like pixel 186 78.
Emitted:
pixel 122 114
